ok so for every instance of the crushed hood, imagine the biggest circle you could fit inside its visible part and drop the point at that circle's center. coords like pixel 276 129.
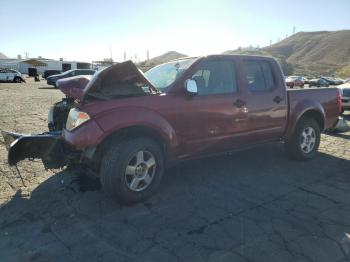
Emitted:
pixel 123 79
pixel 74 86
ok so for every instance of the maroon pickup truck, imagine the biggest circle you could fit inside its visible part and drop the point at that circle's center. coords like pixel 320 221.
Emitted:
pixel 126 126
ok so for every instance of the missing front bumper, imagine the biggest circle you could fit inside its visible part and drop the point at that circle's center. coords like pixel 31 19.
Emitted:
pixel 49 147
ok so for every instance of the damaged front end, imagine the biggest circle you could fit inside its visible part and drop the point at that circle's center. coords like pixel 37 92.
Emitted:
pixel 117 81
pixel 49 147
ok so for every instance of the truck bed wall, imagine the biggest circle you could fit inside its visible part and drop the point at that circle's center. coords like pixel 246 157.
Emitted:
pixel 324 100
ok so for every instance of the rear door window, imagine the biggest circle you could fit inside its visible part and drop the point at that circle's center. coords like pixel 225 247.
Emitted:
pixel 258 75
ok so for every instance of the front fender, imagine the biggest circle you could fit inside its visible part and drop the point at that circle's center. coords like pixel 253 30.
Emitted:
pixel 121 118
pixel 299 109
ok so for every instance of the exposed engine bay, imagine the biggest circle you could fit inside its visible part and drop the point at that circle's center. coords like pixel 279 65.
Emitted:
pixel 58 114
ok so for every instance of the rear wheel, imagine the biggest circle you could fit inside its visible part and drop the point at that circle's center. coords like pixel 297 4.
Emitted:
pixel 17 80
pixel 132 170
pixel 304 142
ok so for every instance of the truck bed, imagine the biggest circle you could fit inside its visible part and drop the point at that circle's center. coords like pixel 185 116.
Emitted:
pixel 325 99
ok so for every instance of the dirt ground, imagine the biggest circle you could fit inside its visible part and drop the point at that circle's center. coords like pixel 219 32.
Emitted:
pixel 255 205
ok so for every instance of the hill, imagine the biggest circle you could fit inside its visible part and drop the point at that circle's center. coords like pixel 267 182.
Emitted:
pixel 168 56
pixel 309 53
pixel 2 56
pixel 323 52
pixel 287 68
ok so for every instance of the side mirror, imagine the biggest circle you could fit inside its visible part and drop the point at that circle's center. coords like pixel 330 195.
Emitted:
pixel 191 86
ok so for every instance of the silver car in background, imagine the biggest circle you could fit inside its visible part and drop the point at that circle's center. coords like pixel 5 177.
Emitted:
pixel 345 95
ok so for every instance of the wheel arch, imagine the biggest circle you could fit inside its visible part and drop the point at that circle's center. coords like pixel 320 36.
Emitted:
pixel 17 77
pixel 127 133
pixel 134 132
pixel 316 115
pixel 313 110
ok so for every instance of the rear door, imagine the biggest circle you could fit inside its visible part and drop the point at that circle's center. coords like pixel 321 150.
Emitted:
pixel 266 102
pixel 11 74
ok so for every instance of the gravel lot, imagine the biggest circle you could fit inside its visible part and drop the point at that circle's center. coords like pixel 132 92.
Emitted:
pixel 255 205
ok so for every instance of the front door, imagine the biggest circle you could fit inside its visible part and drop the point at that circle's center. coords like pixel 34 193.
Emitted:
pixel 212 121
pixel 2 75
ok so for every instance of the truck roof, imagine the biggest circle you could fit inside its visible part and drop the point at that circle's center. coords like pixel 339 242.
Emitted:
pixel 223 56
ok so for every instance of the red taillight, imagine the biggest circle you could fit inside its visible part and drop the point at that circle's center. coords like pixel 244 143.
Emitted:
pixel 340 106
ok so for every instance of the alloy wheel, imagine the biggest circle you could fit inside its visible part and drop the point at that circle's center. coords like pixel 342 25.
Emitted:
pixel 140 170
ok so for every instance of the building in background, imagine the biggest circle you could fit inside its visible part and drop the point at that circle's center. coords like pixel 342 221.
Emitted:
pixel 106 62
pixel 40 65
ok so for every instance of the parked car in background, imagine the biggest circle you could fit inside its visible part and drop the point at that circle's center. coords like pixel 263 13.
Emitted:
pixel 332 81
pixel 126 126
pixel 294 81
pixel 318 82
pixel 345 96
pixel 347 80
pixel 51 80
pixel 48 73
pixel 305 80
pixel 10 75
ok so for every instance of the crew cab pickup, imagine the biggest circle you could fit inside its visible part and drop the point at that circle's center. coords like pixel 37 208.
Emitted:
pixel 127 126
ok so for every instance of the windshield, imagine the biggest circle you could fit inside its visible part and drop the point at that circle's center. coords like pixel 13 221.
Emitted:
pixel 164 75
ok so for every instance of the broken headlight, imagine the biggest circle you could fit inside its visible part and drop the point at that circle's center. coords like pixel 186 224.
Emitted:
pixel 76 118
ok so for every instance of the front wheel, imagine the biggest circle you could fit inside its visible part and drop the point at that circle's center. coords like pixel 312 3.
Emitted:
pixel 131 170
pixel 304 142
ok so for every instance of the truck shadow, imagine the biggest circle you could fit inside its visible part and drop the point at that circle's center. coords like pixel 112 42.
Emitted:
pixel 346 130
pixel 219 203
pixel 341 135
pixel 48 87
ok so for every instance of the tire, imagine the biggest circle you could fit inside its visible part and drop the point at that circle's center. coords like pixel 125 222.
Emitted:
pixel 121 166
pixel 17 80
pixel 304 142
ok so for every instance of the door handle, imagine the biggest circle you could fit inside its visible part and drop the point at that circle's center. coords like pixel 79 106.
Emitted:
pixel 277 99
pixel 239 103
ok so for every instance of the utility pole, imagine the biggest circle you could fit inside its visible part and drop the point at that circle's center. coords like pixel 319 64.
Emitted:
pixel 147 54
pixel 294 29
pixel 270 42
pixel 27 54
pixel 110 50
pixel 124 55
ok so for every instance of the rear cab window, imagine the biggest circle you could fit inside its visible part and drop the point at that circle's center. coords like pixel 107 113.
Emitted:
pixel 259 76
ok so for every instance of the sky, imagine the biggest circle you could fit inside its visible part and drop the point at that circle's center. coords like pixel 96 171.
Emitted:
pixel 85 30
